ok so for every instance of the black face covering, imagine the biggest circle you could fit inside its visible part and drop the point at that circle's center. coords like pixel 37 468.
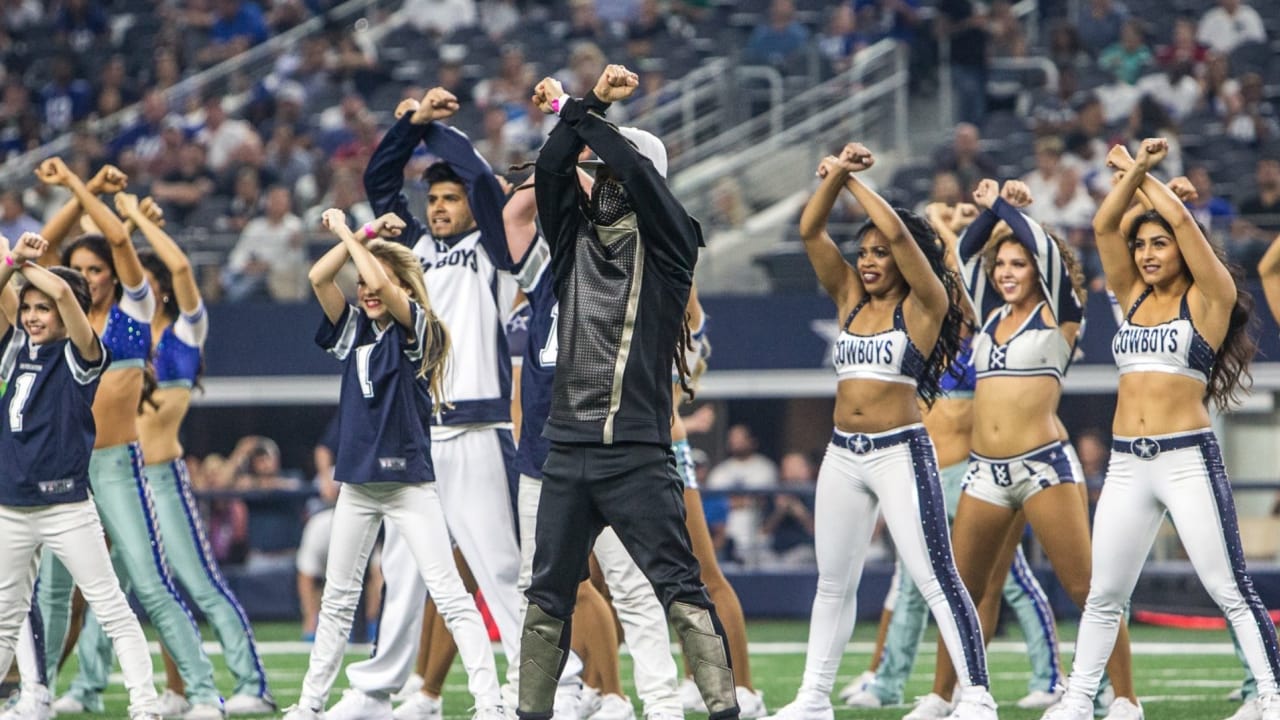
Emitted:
pixel 609 202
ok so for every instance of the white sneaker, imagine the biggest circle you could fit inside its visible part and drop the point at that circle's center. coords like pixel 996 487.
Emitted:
pixel 660 715
pixel 420 707
pixel 493 712
pixel 1041 699
pixel 589 702
pixel 567 704
pixel 69 705
pixel 863 699
pixel 614 707
pixel 1122 709
pixel 750 703
pixel 357 705
pixel 805 708
pixel 297 712
pixel 858 685
pixel 1270 706
pixel 691 696
pixel 32 703
pixel 1250 710
pixel 1070 708
pixel 204 711
pixel 929 707
pixel 171 705
pixel 145 715
pixel 246 704
pixel 412 686
pixel 975 703
pixel 1102 701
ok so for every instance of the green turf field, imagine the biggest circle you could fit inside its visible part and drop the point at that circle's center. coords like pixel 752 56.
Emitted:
pixel 1181 675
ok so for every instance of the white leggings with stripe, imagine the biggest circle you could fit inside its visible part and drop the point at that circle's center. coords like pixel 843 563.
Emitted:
pixel 900 481
pixel 1191 484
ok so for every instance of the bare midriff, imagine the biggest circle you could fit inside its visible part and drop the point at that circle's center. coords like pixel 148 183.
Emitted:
pixel 1155 403
pixel 1012 415
pixel 873 406
pixel 158 425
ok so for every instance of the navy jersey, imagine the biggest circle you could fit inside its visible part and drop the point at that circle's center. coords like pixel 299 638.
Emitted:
pixel 539 367
pixel 384 408
pixel 518 331
pixel 47 430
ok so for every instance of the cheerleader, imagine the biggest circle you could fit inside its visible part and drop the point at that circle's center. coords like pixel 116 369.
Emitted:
pixel 393 349
pixel 51 361
pixel 901 326
pixel 1182 343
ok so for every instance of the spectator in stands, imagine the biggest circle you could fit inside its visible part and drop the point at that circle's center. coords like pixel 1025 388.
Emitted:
pixel 18 15
pixel 1213 212
pixel 1007 36
pixel 224 137
pixel 1130 57
pixel 1099 24
pixel 182 190
pixel 498 18
pixel 246 201
pixel 728 210
pixel 14 219
pixel 163 156
pixel 226 517
pixel 269 261
pixel 80 24
pixel 585 24
pixel 509 88
pixel 1176 88
pixel 1066 50
pixel 945 189
pixel 1068 209
pixel 963 22
pixel 1149 119
pixel 1247 115
pixel 1261 211
pixel 841 40
pixel 440 17
pixel 142 136
pixel 1043 180
pixel 254 465
pixel 346 192
pixel 648 27
pixel 747 469
pixel 450 76
pixel 495 146
pixel 774 41
pixel 586 62
pixel 285 15
pixel 287 157
pixel 620 12
pixel 1184 48
pixel 166 70
pixel 965 158
pixel 1229 25
pixel 66 98
pixel 115 89
pixel 789 515
pixel 237 26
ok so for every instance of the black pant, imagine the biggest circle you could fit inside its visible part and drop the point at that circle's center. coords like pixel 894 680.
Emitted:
pixel 635 489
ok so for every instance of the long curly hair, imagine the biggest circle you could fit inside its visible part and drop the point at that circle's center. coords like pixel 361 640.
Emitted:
pixel 949 341
pixel 1230 375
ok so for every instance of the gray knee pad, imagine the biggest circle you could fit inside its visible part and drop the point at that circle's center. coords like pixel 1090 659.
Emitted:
pixel 540 660
pixel 705 651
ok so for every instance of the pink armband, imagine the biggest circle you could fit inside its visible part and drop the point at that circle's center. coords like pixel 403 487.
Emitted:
pixel 369 234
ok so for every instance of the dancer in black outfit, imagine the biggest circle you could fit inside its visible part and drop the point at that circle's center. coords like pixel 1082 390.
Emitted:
pixel 622 261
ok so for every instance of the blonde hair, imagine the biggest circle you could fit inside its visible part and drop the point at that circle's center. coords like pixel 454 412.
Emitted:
pixel 435 346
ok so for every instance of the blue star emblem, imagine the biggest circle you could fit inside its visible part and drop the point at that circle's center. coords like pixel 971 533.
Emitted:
pixel 861 444
pixel 518 323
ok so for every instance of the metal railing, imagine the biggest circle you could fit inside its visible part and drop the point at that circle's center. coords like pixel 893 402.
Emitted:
pixel 846 106
pixel 255 63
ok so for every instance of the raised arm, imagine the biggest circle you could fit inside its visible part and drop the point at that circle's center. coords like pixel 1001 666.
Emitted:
pixel 185 289
pixel 483 191
pixel 1113 248
pixel 372 273
pixel 519 219
pixel 29 248
pixel 556 194
pixel 66 220
pixel 1211 275
pixel 1055 278
pixel 322 275
pixel 384 176
pixel 836 276
pixel 926 286
pixel 1269 273
pixel 665 226
pixel 8 295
